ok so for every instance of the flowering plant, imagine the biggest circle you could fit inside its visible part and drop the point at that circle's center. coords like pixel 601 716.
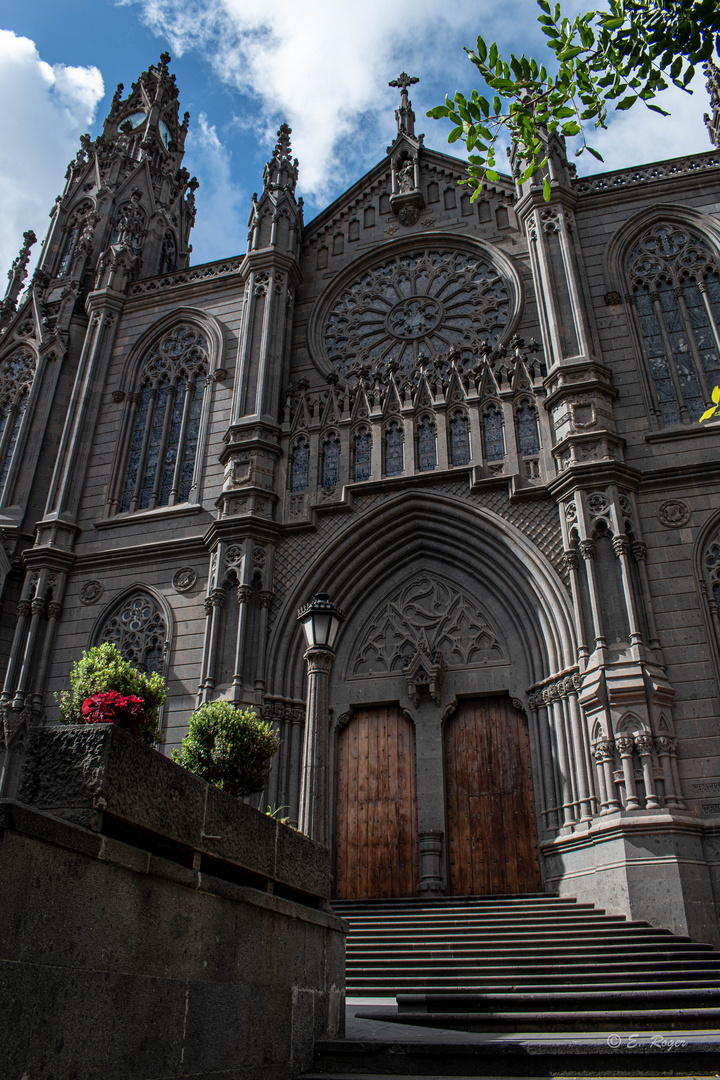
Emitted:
pixel 113 708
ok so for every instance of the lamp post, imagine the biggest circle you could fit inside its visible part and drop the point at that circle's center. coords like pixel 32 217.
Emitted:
pixel 320 620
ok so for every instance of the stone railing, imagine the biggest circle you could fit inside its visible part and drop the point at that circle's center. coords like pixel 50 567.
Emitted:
pixel 185 277
pixel 659 170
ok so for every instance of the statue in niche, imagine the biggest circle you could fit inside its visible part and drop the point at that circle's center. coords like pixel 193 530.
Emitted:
pixel 406 176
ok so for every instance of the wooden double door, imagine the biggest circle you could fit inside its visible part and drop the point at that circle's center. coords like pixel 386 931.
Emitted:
pixel 491 827
pixel 489 824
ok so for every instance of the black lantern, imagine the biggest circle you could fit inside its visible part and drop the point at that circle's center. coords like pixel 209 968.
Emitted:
pixel 321 621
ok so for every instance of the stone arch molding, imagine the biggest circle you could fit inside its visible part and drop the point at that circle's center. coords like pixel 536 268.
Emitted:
pixel 140 623
pixel 416 534
pixel 622 243
pixel 430 617
pixel 706 571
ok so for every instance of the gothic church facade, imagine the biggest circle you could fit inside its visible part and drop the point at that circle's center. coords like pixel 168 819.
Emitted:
pixel 473 424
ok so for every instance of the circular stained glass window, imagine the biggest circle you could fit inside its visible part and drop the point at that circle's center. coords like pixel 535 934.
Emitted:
pixel 427 302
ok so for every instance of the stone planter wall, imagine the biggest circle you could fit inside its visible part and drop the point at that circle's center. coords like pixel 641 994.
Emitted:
pixel 152 926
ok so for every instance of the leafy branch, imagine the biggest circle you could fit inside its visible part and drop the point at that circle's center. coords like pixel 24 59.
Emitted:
pixel 605 59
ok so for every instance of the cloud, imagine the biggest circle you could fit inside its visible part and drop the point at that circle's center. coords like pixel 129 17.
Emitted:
pixel 46 109
pixel 222 205
pixel 323 67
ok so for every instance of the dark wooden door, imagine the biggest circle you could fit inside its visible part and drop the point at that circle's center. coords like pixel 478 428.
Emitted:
pixel 376 806
pixel 492 835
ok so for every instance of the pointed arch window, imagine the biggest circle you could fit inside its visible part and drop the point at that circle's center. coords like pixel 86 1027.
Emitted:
pixel 675 282
pixel 527 429
pixel 426 445
pixel 331 462
pixel 393 449
pixel 138 627
pixel 459 440
pixel 17 372
pixel 300 468
pixel 72 235
pixel 493 439
pixel 362 449
pixel 162 469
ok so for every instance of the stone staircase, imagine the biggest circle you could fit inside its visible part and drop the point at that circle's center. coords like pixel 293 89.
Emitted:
pixel 502 963
pixel 521 964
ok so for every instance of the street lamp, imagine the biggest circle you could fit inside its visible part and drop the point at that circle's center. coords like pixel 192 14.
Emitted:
pixel 320 621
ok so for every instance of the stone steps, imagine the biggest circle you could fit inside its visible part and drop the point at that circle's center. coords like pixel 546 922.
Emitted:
pixel 534 955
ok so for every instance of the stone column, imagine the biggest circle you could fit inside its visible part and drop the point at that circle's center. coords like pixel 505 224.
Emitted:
pixel 644 746
pixel 315 765
pixel 430 850
pixel 625 746
pixel 604 754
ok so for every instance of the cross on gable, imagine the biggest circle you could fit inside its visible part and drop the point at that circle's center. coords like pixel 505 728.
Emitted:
pixel 403 81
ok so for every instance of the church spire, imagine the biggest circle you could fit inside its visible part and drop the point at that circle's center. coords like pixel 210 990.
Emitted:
pixel 712 123
pixel 16 278
pixel 404 115
pixel 281 172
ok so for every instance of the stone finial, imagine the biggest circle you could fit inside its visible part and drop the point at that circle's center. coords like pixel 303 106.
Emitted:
pixel 712 74
pixel 404 115
pixel 281 172
pixel 16 277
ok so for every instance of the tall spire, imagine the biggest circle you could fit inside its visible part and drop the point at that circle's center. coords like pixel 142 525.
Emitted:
pixel 404 115
pixel 16 277
pixel 281 172
pixel 712 123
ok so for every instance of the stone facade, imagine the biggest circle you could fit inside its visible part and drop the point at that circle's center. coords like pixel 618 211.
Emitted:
pixel 473 424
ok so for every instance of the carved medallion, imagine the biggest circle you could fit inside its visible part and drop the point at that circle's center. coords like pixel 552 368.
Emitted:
pixel 184 579
pixel 673 513
pixel 91 592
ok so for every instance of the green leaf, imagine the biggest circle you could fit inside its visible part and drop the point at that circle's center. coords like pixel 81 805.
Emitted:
pixel 573 128
pixel 493 56
pixel 594 153
pixel 627 102
pixel 455 134
pixel 546 189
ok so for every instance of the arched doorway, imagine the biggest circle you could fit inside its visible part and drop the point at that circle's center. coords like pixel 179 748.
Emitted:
pixel 376 839
pixel 492 839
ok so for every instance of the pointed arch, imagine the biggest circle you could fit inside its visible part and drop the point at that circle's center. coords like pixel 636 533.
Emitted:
pixel 167 383
pixel 706 571
pixel 140 623
pixel 423 528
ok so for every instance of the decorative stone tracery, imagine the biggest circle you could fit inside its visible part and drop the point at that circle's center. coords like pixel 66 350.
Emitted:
pixel 138 628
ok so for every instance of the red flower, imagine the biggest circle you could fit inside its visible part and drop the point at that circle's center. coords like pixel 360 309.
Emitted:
pixel 111 707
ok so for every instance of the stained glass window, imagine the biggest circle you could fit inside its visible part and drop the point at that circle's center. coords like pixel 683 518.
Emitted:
pixel 361 457
pixel 527 429
pixel 426 445
pixel 493 441
pixel 676 286
pixel 166 426
pixel 331 462
pixel 459 440
pixel 138 630
pixel 300 466
pixel 393 450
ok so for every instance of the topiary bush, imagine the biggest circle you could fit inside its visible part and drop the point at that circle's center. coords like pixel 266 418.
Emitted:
pixel 229 747
pixel 101 670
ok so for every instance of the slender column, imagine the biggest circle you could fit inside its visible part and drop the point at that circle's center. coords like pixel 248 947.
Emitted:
pixel 179 462
pixel 244 592
pixel 665 747
pixel 23 612
pixel 639 550
pixel 599 752
pixel 605 754
pixel 587 550
pixel 265 600
pixel 295 768
pixel 644 747
pixel 584 798
pixel 563 767
pixel 37 606
pixel 54 610
pixel 315 765
pixel 625 745
pixel 621 546
pixel 213 603
pixel 539 711
pixel 572 565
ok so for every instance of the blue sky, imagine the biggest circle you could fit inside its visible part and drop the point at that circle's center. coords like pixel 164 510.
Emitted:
pixel 243 67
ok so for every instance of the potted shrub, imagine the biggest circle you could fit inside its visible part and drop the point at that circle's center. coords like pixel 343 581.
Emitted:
pixel 229 747
pixel 106 689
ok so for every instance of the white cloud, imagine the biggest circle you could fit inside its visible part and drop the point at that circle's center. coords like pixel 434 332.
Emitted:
pixel 221 204
pixel 323 66
pixel 46 109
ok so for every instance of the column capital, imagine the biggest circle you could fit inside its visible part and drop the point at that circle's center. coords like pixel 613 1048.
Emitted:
pixel 319 660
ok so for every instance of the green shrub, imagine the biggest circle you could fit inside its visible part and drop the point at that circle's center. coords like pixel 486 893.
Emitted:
pixel 103 668
pixel 229 747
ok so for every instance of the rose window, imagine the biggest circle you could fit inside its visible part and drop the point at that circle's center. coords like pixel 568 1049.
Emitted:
pixel 428 302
